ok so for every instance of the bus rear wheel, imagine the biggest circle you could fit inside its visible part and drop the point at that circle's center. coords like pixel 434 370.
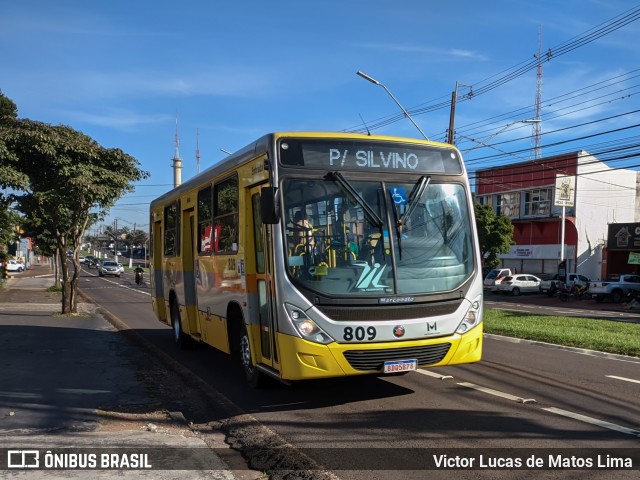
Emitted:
pixel 178 334
pixel 251 373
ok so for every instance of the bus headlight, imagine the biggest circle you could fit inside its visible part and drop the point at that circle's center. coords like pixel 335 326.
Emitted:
pixel 307 328
pixel 473 316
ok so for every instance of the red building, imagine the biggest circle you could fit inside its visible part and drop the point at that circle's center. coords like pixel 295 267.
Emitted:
pixel 530 194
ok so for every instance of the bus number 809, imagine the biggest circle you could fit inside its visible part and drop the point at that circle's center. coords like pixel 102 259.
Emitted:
pixel 359 333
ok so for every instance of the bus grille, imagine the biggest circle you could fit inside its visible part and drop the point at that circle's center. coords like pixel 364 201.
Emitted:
pixel 373 360
pixel 397 312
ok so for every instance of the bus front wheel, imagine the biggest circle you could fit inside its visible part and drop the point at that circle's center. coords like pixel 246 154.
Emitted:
pixel 251 373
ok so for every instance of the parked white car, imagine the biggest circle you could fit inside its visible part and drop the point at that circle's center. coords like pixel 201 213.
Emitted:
pixel 14 266
pixel 519 283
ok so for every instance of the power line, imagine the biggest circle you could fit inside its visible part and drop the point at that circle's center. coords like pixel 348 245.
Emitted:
pixel 575 139
pixel 519 113
pixel 518 70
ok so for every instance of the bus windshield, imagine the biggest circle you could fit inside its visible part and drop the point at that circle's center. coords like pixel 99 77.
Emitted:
pixel 367 238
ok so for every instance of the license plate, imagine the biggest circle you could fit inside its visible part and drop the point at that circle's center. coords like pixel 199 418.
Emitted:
pixel 400 366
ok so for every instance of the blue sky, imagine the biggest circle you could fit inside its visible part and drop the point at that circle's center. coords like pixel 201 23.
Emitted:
pixel 122 71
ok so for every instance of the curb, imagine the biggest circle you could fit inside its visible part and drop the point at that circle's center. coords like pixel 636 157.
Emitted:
pixel 255 465
pixel 582 351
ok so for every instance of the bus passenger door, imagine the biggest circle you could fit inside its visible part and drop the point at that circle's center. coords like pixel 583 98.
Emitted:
pixel 263 288
pixel 188 273
pixel 157 272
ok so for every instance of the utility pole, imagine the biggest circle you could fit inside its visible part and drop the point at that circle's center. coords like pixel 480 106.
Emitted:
pixel 115 241
pixel 131 247
pixel 537 127
pixel 452 114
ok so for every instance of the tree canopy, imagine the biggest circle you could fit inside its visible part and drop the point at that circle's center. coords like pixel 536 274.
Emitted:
pixel 64 179
pixel 9 176
pixel 495 234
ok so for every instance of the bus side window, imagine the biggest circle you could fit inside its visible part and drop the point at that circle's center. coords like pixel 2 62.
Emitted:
pixel 205 222
pixel 226 216
pixel 172 230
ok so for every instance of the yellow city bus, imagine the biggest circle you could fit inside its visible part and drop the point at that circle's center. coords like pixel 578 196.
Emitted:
pixel 316 255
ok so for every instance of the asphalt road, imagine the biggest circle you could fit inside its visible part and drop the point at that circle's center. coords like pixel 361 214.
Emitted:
pixel 533 399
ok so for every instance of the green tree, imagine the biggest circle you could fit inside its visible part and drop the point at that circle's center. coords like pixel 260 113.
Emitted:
pixel 495 234
pixel 136 239
pixel 8 109
pixel 8 221
pixel 9 175
pixel 44 242
pixel 69 177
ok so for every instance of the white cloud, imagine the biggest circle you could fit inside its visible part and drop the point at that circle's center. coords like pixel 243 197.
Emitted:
pixel 116 118
pixel 432 51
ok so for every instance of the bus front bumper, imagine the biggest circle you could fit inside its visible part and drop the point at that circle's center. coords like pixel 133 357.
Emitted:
pixel 302 360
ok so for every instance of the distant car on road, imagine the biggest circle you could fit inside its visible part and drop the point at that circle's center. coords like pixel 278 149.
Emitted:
pixel 615 290
pixel 109 267
pixel 519 283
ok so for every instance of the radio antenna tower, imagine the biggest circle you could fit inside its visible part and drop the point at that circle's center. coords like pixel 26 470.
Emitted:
pixel 197 150
pixel 537 129
pixel 177 161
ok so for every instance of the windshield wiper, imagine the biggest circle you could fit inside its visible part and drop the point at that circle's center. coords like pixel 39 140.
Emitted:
pixel 412 204
pixel 348 188
pixel 398 220
pixel 415 198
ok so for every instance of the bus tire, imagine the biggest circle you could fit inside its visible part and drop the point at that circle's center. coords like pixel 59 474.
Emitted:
pixel 251 373
pixel 178 334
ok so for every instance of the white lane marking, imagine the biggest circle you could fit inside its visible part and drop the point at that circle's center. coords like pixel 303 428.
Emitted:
pixel 434 374
pixel 121 285
pixel 497 393
pixel 623 378
pixel 593 421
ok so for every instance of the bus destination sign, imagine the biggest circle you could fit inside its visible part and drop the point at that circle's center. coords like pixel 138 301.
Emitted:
pixel 381 157
pixel 377 156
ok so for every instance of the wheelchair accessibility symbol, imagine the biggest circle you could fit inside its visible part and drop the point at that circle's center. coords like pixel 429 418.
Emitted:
pixel 399 196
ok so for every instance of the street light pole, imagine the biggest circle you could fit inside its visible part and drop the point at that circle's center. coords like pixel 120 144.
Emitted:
pixel 406 114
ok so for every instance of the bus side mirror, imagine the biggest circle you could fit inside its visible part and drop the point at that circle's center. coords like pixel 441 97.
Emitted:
pixel 269 206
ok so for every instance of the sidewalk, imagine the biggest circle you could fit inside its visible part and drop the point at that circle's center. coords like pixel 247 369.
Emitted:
pixel 72 386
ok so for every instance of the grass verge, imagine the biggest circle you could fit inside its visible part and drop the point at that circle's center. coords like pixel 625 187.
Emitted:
pixel 593 334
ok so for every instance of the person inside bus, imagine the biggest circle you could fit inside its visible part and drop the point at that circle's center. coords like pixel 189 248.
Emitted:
pixel 304 229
